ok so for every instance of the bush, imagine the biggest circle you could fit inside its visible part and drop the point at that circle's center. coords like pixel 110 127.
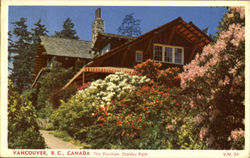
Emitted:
pixel 168 78
pixel 128 112
pixel 77 112
pixel 50 83
pixel 214 84
pixel 138 121
pixel 23 132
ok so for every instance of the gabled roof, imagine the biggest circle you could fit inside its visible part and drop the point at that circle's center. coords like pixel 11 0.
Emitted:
pixel 192 33
pixel 116 36
pixel 104 38
pixel 66 47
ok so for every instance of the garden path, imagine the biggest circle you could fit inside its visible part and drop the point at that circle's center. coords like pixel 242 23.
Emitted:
pixel 56 143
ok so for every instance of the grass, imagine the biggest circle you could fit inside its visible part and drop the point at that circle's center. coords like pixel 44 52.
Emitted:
pixel 67 138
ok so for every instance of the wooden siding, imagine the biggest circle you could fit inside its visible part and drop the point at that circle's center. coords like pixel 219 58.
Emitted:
pixel 126 57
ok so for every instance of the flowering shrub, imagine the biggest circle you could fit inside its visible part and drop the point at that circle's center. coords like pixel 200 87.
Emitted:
pixel 149 68
pixel 148 118
pixel 214 83
pixel 168 78
pixel 77 112
pixel 85 85
pixel 129 112
pixel 137 121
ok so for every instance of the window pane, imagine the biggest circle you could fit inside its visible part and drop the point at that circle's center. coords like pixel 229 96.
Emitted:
pixel 138 57
pixel 158 53
pixel 168 54
pixel 105 49
pixel 178 56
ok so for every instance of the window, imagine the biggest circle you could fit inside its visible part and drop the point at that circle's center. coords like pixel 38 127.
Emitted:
pixel 158 53
pixel 138 56
pixel 105 49
pixel 178 55
pixel 169 54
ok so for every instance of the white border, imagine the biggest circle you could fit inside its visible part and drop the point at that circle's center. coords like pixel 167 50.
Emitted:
pixel 4 151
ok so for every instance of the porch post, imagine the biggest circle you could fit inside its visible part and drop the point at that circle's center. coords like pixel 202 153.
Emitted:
pixel 83 77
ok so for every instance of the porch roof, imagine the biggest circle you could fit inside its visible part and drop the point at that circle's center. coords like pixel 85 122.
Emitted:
pixel 98 70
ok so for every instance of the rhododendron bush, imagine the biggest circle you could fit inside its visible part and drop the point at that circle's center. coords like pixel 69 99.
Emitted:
pixel 168 78
pixel 138 121
pixel 215 84
pixel 128 112
pixel 76 112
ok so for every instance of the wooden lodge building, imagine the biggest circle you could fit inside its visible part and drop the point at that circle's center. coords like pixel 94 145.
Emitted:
pixel 70 52
pixel 173 44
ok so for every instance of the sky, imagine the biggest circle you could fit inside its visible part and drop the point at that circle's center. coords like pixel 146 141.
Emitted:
pixel 83 16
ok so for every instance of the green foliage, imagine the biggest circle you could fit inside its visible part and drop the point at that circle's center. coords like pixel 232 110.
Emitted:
pixel 23 132
pixel 130 26
pixel 49 84
pixel 22 53
pixel 39 30
pixel 68 30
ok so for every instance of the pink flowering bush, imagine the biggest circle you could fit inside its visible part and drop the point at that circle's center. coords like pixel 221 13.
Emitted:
pixel 214 84
pixel 85 85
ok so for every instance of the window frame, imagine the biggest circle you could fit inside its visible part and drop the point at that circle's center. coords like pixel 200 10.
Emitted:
pixel 105 49
pixel 173 53
pixel 138 52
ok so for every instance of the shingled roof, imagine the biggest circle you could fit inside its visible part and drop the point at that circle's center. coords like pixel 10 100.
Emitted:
pixel 116 36
pixel 66 47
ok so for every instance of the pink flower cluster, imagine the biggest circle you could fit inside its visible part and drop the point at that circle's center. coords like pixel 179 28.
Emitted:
pixel 235 34
pixel 240 10
pixel 85 85
pixel 236 134
pixel 236 67
pixel 225 82
pixel 169 127
pixel 193 69
pixel 203 133
pixel 198 119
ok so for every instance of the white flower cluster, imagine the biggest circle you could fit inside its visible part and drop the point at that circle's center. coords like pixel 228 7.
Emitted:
pixel 114 86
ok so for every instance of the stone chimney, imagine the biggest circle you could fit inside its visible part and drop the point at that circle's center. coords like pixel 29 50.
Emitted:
pixel 97 25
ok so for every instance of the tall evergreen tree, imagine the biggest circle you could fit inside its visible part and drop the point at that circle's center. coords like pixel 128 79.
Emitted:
pixel 39 30
pixel 68 30
pixel 130 26
pixel 22 52
pixel 10 50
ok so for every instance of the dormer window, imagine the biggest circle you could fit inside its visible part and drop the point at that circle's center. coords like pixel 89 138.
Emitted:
pixel 169 54
pixel 138 56
pixel 105 49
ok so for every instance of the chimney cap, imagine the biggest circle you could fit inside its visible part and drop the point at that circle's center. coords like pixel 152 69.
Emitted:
pixel 98 13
